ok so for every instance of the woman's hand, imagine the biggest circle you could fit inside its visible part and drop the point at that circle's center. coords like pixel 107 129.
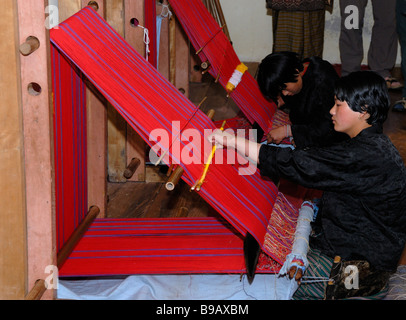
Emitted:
pixel 221 139
pixel 277 135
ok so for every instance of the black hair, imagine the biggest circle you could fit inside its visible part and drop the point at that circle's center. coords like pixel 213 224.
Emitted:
pixel 275 70
pixel 365 91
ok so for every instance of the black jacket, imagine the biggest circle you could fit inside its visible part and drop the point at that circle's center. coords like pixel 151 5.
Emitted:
pixel 363 207
pixel 309 110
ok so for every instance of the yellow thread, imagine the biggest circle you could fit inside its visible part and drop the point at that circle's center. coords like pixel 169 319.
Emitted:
pixel 236 77
pixel 199 182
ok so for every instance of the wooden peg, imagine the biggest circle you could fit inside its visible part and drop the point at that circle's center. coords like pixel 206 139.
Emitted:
pixel 211 113
pixel 205 65
pixel 37 291
pixel 131 168
pixel 76 236
pixel 94 5
pixel 29 46
pixel 174 178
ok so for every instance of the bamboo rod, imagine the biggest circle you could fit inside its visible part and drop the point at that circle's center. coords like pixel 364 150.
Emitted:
pixel 222 20
pixel 76 236
pixel 177 174
pixel 131 168
pixel 205 65
pixel 214 35
pixel 211 113
pixel 166 151
pixel 37 291
pixel 170 169
pixel 174 178
pixel 172 50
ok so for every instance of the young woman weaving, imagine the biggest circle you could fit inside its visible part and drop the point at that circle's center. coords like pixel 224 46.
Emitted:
pixel 362 213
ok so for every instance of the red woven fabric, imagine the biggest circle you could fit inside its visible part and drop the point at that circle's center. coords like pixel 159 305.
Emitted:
pixel 69 119
pixel 206 35
pixel 149 102
pixel 156 246
pixel 177 246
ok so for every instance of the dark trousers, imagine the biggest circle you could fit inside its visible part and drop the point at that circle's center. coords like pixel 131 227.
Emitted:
pixel 384 40
pixel 401 28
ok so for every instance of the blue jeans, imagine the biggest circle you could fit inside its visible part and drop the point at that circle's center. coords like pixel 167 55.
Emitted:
pixel 401 29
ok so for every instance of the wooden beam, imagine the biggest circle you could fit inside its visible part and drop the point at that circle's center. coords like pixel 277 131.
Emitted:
pixel 182 60
pixel 13 259
pixel 38 142
pixel 97 141
pixel 116 125
pixel 96 122
pixel 136 147
pixel 67 8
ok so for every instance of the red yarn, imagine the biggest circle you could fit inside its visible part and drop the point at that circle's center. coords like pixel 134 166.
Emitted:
pixel 148 101
pixel 206 35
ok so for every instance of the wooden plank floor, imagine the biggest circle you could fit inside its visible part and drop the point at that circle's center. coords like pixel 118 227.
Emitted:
pixel 152 200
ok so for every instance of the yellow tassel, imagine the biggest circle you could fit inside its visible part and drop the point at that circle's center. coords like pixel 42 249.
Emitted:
pixel 236 77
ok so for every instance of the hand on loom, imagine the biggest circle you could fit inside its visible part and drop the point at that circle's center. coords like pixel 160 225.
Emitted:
pixel 222 139
pixel 295 272
pixel 249 149
pixel 278 134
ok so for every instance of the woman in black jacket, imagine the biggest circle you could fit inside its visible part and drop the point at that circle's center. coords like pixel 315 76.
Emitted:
pixel 305 89
pixel 362 213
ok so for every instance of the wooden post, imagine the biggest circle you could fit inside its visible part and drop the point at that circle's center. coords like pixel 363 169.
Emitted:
pixel 38 142
pixel 97 140
pixel 116 125
pixel 136 147
pixel 182 61
pixel 13 257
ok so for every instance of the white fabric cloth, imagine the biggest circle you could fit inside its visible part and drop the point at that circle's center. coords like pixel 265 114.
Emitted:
pixel 179 287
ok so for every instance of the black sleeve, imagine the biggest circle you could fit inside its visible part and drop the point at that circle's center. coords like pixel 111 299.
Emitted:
pixel 338 168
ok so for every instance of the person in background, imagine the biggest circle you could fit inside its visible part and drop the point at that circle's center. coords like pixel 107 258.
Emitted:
pixel 298 28
pixel 383 46
pixel 401 29
pixel 305 89
pixel 362 212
